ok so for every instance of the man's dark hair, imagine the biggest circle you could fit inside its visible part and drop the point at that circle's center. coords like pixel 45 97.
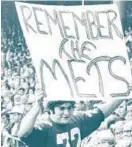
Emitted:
pixel 23 89
pixel 6 115
pixel 52 104
pixel 129 102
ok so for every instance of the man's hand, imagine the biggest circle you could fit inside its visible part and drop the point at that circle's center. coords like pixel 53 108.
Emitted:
pixel 39 97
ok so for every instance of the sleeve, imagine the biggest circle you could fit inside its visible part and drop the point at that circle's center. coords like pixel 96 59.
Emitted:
pixel 37 138
pixel 91 121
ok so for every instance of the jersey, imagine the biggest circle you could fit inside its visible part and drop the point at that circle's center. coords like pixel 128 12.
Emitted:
pixel 66 135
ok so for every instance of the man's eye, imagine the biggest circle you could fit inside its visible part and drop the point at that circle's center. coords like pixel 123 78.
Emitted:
pixel 70 108
pixel 62 108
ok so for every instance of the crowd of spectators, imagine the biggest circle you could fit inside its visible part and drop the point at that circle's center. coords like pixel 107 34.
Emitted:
pixel 115 131
pixel 127 25
pixel 18 82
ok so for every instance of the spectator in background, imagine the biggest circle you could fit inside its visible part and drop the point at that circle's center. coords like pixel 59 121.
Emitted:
pixel 24 72
pixel 122 110
pixel 126 140
pixel 3 56
pixel 6 130
pixel 6 89
pixel 118 115
pixel 117 130
pixel 30 101
pixel 20 97
pixel 129 110
pixel 14 80
pixel 32 83
pixel 6 105
pixel 124 143
pixel 31 71
pixel 129 49
pixel 25 84
pixel 16 115
pixel 16 100
pixel 5 122
pixel 106 139
pixel 80 106
pixel 127 130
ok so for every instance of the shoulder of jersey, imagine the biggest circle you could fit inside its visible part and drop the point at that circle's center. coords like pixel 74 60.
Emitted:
pixel 89 113
pixel 43 124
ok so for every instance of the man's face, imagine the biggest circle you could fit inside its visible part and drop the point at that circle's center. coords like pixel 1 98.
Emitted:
pixel 17 99
pixel 28 106
pixel 4 119
pixel 129 112
pixel 62 113
pixel 15 117
pixel 106 144
pixel 9 72
pixel 124 143
pixel 121 110
pixel 12 120
pixel 30 92
pixel 80 106
pixel 118 133
pixel 127 131
pixel 20 92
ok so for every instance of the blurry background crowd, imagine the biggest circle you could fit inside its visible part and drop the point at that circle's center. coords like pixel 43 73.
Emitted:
pixel 18 84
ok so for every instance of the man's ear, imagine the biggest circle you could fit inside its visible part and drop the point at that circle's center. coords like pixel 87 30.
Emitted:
pixel 52 111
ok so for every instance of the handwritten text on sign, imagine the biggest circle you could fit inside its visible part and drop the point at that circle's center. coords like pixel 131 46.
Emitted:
pixel 77 51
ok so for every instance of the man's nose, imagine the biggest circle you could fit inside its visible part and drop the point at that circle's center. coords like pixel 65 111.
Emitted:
pixel 66 112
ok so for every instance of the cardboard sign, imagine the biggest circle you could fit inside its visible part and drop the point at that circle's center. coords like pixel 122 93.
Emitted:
pixel 78 51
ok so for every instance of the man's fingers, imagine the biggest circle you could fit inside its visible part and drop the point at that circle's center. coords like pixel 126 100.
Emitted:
pixel 39 95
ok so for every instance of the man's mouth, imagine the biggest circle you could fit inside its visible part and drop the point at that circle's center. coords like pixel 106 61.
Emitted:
pixel 66 117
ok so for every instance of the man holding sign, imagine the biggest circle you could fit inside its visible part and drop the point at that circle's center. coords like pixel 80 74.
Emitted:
pixel 63 128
